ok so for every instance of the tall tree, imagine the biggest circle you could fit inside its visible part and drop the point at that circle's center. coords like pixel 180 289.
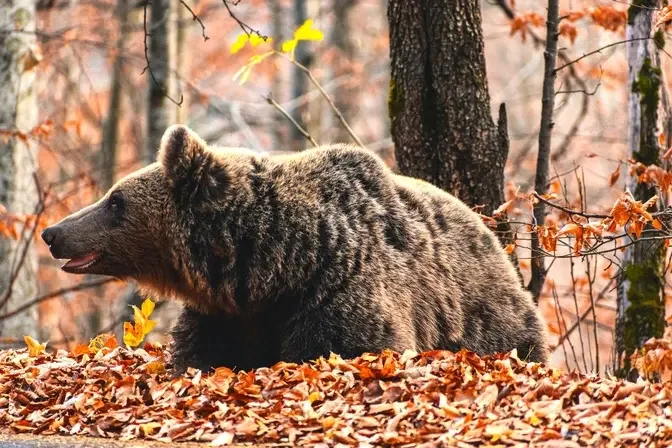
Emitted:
pixel 18 160
pixel 161 107
pixel 640 304
pixel 346 96
pixel 299 81
pixel 439 102
pixel 277 11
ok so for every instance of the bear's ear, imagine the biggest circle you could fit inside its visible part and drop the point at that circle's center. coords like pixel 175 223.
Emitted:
pixel 191 168
pixel 180 150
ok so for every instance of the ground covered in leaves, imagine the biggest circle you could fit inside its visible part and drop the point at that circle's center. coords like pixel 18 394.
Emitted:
pixel 432 399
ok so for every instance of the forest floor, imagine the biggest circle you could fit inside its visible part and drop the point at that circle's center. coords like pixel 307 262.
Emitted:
pixel 106 395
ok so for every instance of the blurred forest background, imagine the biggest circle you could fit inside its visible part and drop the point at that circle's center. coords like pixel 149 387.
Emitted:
pixel 100 80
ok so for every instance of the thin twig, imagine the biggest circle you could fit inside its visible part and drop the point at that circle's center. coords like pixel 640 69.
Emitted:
pixel 599 50
pixel 247 29
pixel 326 97
pixel 196 18
pixel 569 211
pixel 149 64
pixel 303 132
pixel 53 294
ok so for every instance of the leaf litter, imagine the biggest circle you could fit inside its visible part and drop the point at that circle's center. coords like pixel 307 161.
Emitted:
pixel 435 398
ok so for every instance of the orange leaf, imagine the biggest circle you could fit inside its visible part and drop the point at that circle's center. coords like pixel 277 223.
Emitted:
pixel 664 16
pixel 503 208
pixel 34 347
pixel 81 349
pixel 613 178
pixel 510 248
pixel 570 229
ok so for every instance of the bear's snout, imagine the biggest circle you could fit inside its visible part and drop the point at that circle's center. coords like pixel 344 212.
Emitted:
pixel 49 235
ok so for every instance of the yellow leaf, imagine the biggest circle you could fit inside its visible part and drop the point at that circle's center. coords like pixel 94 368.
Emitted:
pixel 156 367
pixel 131 337
pixel 137 314
pixel 148 326
pixel 314 396
pixel 240 42
pixel 307 32
pixel 256 40
pixel 147 307
pixel 149 428
pixel 34 347
pixel 289 45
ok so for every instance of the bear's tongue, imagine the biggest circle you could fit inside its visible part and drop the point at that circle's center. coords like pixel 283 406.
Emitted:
pixel 81 261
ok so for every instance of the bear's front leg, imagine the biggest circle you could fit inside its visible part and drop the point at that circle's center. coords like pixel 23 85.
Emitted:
pixel 346 331
pixel 205 341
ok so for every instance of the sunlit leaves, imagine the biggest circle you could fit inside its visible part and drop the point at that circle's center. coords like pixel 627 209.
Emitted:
pixel 135 332
pixel 34 347
pixel 253 39
pixel 306 32
pixel 245 71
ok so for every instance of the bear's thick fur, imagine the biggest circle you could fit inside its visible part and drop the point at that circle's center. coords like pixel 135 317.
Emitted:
pixel 292 257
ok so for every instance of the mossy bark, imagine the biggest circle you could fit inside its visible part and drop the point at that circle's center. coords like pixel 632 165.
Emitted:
pixel 640 305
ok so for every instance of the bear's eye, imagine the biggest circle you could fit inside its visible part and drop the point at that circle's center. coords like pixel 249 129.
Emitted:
pixel 116 202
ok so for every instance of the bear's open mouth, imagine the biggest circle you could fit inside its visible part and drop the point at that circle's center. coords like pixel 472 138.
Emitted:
pixel 80 263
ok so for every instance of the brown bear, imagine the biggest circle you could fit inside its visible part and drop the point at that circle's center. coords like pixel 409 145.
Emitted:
pixel 292 257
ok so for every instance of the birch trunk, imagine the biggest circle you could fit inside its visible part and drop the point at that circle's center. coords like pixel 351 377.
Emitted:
pixel 640 303
pixel 18 160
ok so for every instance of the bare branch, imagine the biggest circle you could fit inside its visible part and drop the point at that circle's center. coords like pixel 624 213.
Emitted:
pixel 303 132
pixel 599 50
pixel 196 18
pixel 149 65
pixel 326 97
pixel 53 294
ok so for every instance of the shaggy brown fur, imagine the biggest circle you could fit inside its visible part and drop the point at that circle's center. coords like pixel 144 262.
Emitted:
pixel 290 257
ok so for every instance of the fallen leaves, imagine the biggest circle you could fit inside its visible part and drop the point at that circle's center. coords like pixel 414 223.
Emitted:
pixel 435 398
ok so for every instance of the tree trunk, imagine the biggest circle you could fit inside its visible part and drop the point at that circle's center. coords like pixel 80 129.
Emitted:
pixel 279 130
pixel 640 304
pixel 544 154
pixel 181 59
pixel 108 151
pixel 299 81
pixel 439 103
pixel 161 111
pixel 18 161
pixel 345 97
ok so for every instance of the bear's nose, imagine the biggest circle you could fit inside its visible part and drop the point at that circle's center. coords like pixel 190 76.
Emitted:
pixel 49 235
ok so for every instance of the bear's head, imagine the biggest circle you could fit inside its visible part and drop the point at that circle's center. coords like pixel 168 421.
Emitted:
pixel 135 231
